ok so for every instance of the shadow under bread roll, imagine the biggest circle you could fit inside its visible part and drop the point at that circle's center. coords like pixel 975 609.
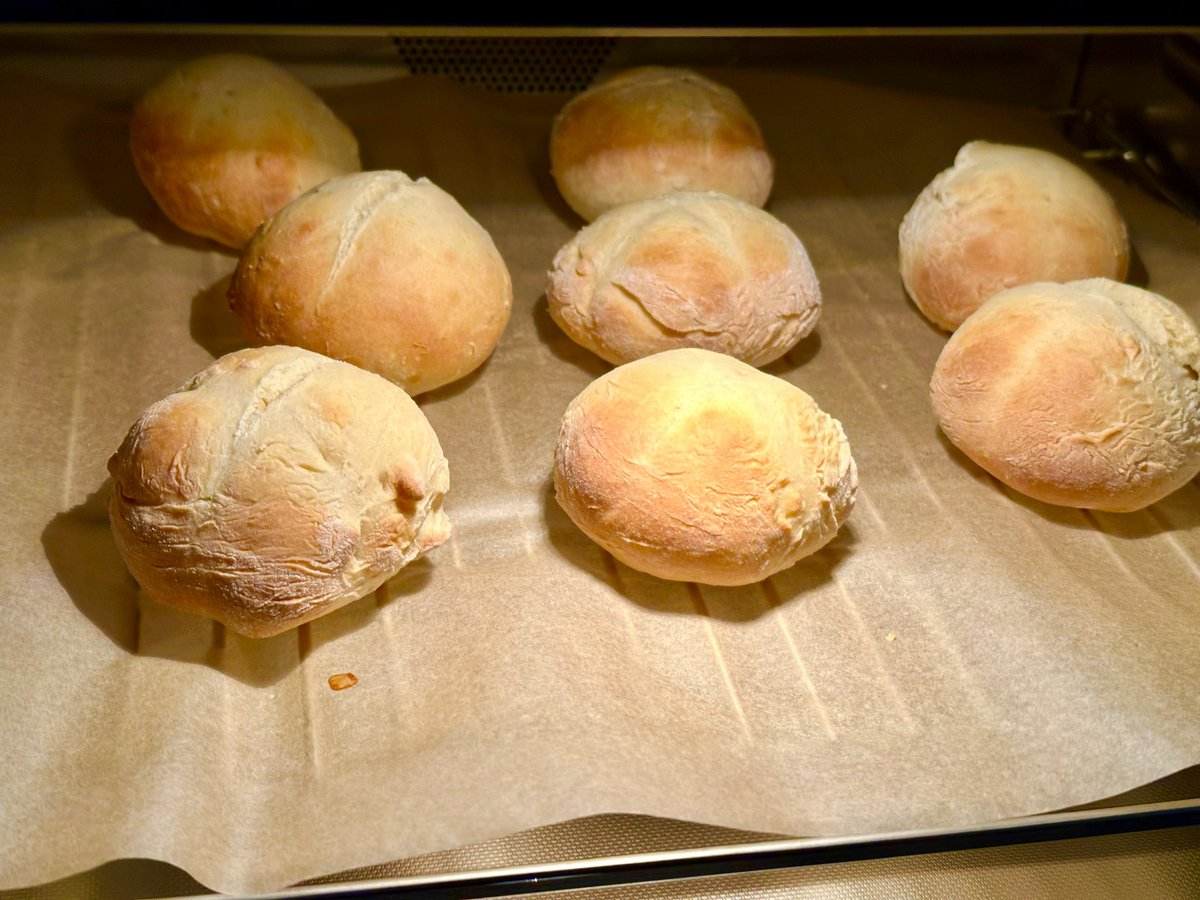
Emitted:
pixel 692 466
pixel 274 487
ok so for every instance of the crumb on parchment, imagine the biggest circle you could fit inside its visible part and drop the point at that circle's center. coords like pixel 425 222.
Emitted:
pixel 342 681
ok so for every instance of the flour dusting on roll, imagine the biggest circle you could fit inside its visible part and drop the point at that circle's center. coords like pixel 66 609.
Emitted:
pixel 274 487
pixel 381 271
pixel 225 141
pixel 687 269
pixel 650 131
pixel 1004 216
pixel 692 466
pixel 1084 394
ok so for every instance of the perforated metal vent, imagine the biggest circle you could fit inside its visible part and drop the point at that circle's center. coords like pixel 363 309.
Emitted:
pixel 512 65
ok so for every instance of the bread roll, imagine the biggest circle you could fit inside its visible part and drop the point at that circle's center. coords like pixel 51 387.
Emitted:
pixel 1082 394
pixel 223 142
pixel 1004 216
pixel 650 131
pixel 274 487
pixel 685 270
pixel 692 466
pixel 381 271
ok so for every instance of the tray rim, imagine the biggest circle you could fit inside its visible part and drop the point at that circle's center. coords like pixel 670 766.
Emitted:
pixel 760 856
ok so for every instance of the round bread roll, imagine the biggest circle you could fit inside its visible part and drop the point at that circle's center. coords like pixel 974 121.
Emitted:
pixel 223 142
pixel 381 271
pixel 650 131
pixel 1083 394
pixel 274 487
pixel 1004 216
pixel 685 270
pixel 692 466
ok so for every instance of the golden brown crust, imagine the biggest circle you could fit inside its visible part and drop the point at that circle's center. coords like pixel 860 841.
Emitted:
pixel 685 270
pixel 224 142
pixel 1003 216
pixel 1083 394
pixel 274 487
pixel 692 466
pixel 649 131
pixel 381 271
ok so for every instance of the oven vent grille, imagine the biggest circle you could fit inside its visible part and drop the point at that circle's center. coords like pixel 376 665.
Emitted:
pixel 510 65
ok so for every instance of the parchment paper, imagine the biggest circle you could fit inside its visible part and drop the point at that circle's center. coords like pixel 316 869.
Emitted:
pixel 957 654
